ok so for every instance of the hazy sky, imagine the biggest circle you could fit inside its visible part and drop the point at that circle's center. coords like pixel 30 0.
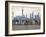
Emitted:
pixel 18 11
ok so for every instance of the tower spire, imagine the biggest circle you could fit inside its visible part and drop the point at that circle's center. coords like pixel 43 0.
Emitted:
pixel 22 11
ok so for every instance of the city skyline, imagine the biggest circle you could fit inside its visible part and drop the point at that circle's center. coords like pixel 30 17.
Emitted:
pixel 25 16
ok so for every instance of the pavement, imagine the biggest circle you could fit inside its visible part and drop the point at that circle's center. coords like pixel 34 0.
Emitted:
pixel 26 27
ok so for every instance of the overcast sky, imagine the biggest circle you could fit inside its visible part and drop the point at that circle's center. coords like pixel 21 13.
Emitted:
pixel 18 11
